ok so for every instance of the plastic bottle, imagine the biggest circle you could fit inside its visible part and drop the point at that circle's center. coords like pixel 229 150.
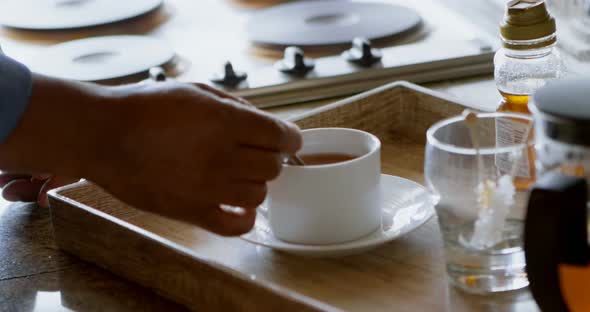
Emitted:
pixel 527 61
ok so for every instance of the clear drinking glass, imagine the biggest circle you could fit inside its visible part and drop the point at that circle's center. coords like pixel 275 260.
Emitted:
pixel 480 197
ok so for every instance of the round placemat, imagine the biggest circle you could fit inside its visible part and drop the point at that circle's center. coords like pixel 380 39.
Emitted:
pixel 102 58
pixel 67 14
pixel 332 22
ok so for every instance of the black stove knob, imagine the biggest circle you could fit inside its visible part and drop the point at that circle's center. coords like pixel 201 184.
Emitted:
pixel 229 77
pixel 362 53
pixel 294 62
pixel 157 74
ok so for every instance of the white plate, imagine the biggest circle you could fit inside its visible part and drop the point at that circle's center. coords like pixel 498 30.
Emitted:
pixel 406 206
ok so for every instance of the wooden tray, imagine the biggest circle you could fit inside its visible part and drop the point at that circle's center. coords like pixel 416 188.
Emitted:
pixel 207 272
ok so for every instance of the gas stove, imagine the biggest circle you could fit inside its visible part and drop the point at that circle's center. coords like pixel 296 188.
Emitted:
pixel 446 46
pixel 211 42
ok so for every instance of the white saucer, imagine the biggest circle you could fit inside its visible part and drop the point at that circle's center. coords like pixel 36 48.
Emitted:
pixel 406 206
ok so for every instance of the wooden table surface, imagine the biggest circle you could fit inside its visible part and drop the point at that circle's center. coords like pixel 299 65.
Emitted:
pixel 36 276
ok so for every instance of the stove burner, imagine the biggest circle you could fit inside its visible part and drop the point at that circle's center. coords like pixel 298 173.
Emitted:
pixel 94 57
pixel 333 20
pixel 102 58
pixel 70 3
pixel 329 23
pixel 70 14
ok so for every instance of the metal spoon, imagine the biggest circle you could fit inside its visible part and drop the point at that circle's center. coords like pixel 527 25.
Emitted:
pixel 294 160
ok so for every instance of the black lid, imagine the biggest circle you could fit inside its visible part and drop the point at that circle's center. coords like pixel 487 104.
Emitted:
pixel 563 110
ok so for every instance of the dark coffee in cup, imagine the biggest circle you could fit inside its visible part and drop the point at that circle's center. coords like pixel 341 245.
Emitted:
pixel 325 158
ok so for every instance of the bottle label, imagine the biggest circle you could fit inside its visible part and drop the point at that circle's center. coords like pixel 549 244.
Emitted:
pixel 510 132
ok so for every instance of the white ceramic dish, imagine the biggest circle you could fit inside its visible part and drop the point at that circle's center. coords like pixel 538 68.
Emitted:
pixel 406 206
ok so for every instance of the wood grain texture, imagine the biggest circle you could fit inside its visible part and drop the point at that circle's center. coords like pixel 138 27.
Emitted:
pixel 201 270
pixel 81 287
pixel 35 275
pixel 26 243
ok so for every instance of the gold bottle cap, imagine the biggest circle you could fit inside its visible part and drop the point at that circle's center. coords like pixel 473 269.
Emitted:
pixel 527 20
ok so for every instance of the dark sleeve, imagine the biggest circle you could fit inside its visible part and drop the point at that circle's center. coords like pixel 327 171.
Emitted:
pixel 15 90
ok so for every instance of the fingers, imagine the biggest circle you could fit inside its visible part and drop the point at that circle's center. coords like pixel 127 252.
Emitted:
pixel 254 165
pixel 243 194
pixel 261 130
pixel 227 223
pixel 21 187
pixel 214 218
pixel 42 176
pixel 25 190
pixel 6 178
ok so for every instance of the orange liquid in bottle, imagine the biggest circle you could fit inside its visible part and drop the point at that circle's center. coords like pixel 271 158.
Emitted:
pixel 518 103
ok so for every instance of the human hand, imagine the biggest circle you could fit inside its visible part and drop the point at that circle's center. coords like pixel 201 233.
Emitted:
pixel 185 151
pixel 178 150
pixel 34 188
pixel 30 188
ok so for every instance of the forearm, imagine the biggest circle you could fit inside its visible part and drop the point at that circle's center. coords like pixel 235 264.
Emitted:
pixel 62 129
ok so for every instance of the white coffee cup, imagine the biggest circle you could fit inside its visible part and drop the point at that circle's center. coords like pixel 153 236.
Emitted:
pixel 332 203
